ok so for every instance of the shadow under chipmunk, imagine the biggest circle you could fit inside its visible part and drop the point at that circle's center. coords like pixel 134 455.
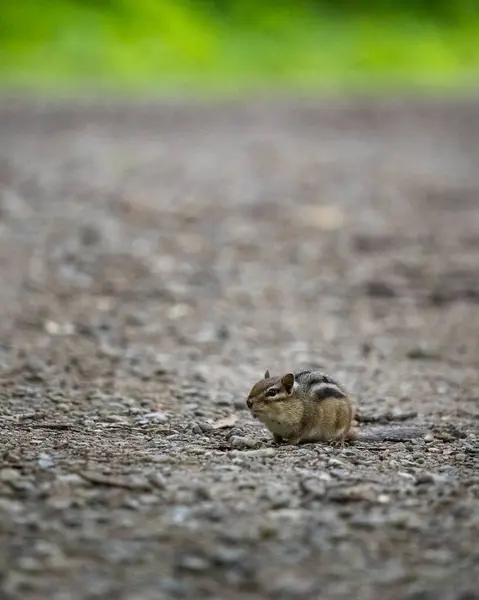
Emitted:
pixel 311 406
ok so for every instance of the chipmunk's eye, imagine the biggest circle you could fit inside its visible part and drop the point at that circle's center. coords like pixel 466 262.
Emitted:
pixel 270 393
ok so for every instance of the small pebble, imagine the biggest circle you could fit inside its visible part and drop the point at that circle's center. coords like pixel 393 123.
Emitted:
pixel 23 485
pixel 158 481
pixel 405 475
pixel 116 419
pixel 235 431
pixel 156 417
pixel 339 473
pixel 191 562
pixel 422 352
pixel 45 461
pixel 131 503
pixel 71 479
pixel 28 563
pixel 9 474
pixel 355 493
pixel 425 478
pixel 204 427
pixel 160 458
pixel 239 442
pixel 175 588
pixel 260 453
pixel 60 502
pixel 335 462
pixel 226 556
pixel 148 499
pixel 313 487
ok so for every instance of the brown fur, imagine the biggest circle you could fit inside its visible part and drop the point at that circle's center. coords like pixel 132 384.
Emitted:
pixel 294 415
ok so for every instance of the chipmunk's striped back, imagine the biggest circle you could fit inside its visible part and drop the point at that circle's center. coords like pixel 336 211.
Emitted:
pixel 319 385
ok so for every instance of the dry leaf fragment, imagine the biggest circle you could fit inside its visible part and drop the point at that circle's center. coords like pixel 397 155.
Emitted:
pixel 326 216
pixel 225 422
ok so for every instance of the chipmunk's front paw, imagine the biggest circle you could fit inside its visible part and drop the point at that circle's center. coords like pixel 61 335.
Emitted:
pixel 292 440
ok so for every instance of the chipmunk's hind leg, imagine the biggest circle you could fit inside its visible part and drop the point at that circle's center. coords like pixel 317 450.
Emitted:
pixel 344 416
pixel 340 441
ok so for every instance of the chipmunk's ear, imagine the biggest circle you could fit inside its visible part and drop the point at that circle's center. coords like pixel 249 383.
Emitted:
pixel 288 382
pixel 266 374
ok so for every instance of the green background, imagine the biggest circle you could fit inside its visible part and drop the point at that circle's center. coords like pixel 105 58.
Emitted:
pixel 233 46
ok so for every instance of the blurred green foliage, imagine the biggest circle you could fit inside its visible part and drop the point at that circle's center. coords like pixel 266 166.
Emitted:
pixel 236 45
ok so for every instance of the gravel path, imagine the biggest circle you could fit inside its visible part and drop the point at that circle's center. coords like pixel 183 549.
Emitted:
pixel 155 260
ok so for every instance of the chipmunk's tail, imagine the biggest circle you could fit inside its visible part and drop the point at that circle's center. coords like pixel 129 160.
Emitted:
pixel 387 433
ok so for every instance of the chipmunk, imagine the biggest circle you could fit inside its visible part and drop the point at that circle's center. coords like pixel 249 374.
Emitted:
pixel 311 406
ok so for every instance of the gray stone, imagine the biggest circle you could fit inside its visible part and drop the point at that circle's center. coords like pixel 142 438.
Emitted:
pixel 239 442
pixel 45 461
pixel 9 474
pixel 192 562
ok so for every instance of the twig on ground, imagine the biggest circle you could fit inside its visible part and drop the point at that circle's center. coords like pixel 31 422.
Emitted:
pixel 100 479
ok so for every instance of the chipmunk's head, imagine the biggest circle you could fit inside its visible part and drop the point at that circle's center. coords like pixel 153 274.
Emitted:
pixel 268 393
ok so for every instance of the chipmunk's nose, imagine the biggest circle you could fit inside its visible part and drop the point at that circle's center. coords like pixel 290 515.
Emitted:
pixel 249 402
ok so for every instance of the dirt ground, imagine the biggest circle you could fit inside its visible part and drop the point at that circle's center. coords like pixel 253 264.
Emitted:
pixel 155 260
